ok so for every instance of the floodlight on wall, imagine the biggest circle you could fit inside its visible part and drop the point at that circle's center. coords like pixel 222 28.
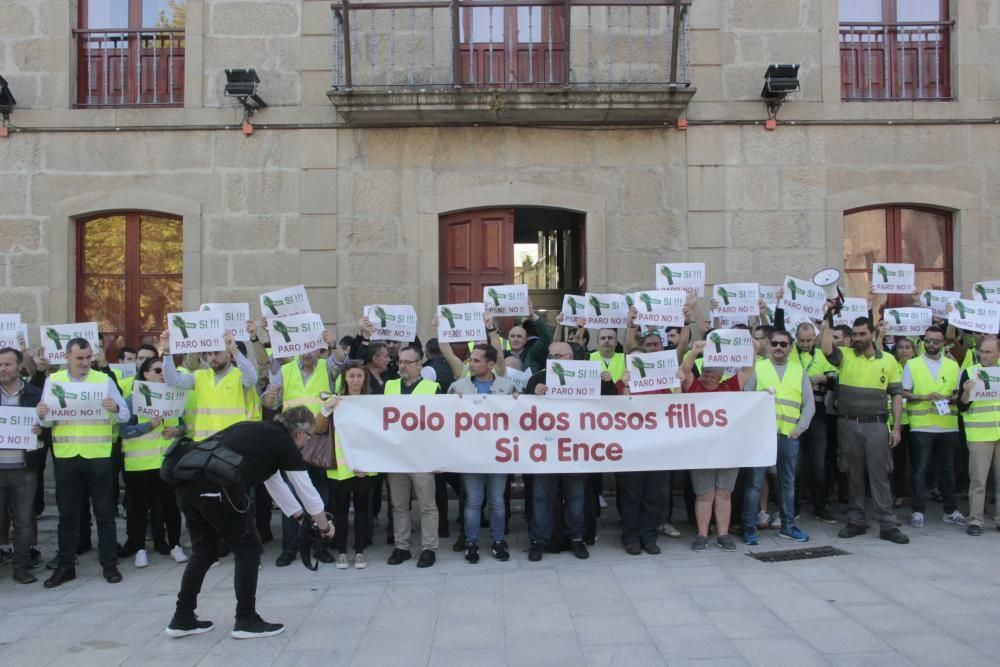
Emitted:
pixel 779 80
pixel 242 84
pixel 7 104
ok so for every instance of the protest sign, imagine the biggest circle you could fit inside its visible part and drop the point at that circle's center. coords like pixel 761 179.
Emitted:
pixel 506 300
pixel 769 295
pixel 124 371
pixel 196 332
pixel 893 278
pixel 729 348
pixel 392 322
pixel 16 428
pixel 292 335
pixel 737 300
pixel 652 371
pixel 460 322
pixel 500 434
pixel 907 321
pixel 987 384
pixel 852 309
pixel 234 316
pixel 155 399
pixel 802 297
pixel 573 308
pixel 287 301
pixel 660 308
pixel 572 379
pixel 986 290
pixel 978 316
pixel 518 378
pixel 10 327
pixel 938 300
pixel 75 401
pixel 55 336
pixel 606 310
pixel 688 276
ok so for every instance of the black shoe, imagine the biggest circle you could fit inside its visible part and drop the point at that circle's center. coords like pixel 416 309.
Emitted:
pixel 34 559
pixel 471 553
pixel 459 545
pixel 633 549
pixel 398 556
pixel 178 629
pixel 580 549
pixel 427 558
pixel 60 577
pixel 83 547
pixel 255 627
pixel 823 514
pixel 324 556
pixel 22 576
pixel 111 573
pixel 285 559
pixel 499 549
pixel 894 535
pixel 852 530
pixel 651 549
pixel 974 531
pixel 535 552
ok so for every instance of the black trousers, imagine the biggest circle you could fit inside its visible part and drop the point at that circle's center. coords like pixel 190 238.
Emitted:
pixel 77 480
pixel 144 487
pixel 212 514
pixel 359 490
pixel 642 502
pixel 442 481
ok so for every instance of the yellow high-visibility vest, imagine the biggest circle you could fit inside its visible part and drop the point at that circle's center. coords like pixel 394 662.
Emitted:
pixel 616 366
pixel 982 419
pixel 787 392
pixel 223 404
pixel 145 452
pixel 423 387
pixel 89 439
pixel 342 471
pixel 924 413
pixel 295 393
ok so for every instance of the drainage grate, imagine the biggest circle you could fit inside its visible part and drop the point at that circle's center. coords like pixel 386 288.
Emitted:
pixel 797 554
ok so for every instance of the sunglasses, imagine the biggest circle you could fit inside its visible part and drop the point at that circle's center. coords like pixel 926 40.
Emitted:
pixel 156 370
pixel 779 343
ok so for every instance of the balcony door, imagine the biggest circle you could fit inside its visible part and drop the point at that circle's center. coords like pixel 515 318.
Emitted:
pixel 512 46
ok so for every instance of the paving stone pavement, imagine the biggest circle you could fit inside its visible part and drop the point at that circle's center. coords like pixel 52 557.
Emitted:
pixel 932 602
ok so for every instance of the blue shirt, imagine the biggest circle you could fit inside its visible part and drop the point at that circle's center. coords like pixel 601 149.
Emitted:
pixel 483 386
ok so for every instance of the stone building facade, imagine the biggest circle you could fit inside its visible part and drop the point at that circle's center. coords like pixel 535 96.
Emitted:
pixel 353 212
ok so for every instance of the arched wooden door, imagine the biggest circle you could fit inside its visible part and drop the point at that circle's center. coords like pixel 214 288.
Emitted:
pixel 477 251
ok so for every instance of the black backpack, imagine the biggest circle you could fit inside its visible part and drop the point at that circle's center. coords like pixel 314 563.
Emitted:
pixel 185 461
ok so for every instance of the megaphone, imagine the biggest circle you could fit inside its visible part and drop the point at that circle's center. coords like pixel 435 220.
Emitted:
pixel 828 279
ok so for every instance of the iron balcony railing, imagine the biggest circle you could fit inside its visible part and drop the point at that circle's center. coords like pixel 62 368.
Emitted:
pixel 128 68
pixel 895 61
pixel 509 43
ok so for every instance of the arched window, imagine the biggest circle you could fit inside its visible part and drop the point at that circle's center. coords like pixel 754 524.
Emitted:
pixel 910 235
pixel 129 273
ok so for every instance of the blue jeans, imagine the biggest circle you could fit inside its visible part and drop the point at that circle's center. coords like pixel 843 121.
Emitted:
pixel 475 485
pixel 943 447
pixel 788 458
pixel 543 493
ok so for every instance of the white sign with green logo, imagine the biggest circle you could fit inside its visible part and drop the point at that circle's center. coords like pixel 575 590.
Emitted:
pixel 506 300
pixel 124 371
pixel 728 348
pixel 975 316
pixel 660 308
pixel 572 379
pixel 735 303
pixel 287 301
pixel 55 336
pixel 987 384
pixel 75 401
pixel 196 332
pixel 461 322
pixel 293 335
pixel 16 428
pixel 802 297
pixel 10 328
pixel 986 290
pixel 938 300
pixel 769 295
pixel 893 278
pixel 606 310
pixel 392 322
pixel 852 309
pixel 574 307
pixel 155 399
pixel 688 276
pixel 907 321
pixel 652 371
pixel 235 316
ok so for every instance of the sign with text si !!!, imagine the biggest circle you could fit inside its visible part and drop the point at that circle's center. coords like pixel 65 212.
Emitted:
pixel 975 316
pixel 728 348
pixel 802 297
pixel 893 278
pixel 736 302
pixel 292 335
pixel 652 371
pixel 16 428
pixel 10 327
pixel 988 290
pixel 392 322
pixel 235 317
pixel 938 300
pixel 287 301
pixel 769 294
pixel 852 309
pixel 660 308
pixel 689 277
pixel 606 310
pixel 196 332
pixel 907 321
pixel 506 300
pixel 461 322
pixel 572 379
pixel 75 401
pixel 55 336
pixel 154 399
pixel 574 307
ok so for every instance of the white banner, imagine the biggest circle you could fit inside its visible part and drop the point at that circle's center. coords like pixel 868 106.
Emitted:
pixel 124 371
pixel 500 434
pixel 16 426
pixel 852 309
pixel 986 290
pixel 506 300
pixel 652 371
pixel 728 348
pixel 689 276
pixel 10 327
pixel 987 384
pixel 55 336
pixel 572 379
pixel 907 321
pixel 287 301
pixel 802 297
pixel 154 399
pixel 893 278
pixel 573 308
pixel 292 335
pixel 606 310
pixel 235 317
pixel 461 322
pixel 392 322
pixel 660 308
pixel 196 332
pixel 75 401
pixel 975 316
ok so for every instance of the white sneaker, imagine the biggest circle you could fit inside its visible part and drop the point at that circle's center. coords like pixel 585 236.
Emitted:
pixel 955 518
pixel 917 520
pixel 178 554
pixel 763 520
pixel 360 561
pixel 140 558
pixel 669 531
pixel 341 562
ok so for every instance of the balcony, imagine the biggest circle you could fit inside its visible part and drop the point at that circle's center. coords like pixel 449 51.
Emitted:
pixel 518 62
pixel 895 61
pixel 130 68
